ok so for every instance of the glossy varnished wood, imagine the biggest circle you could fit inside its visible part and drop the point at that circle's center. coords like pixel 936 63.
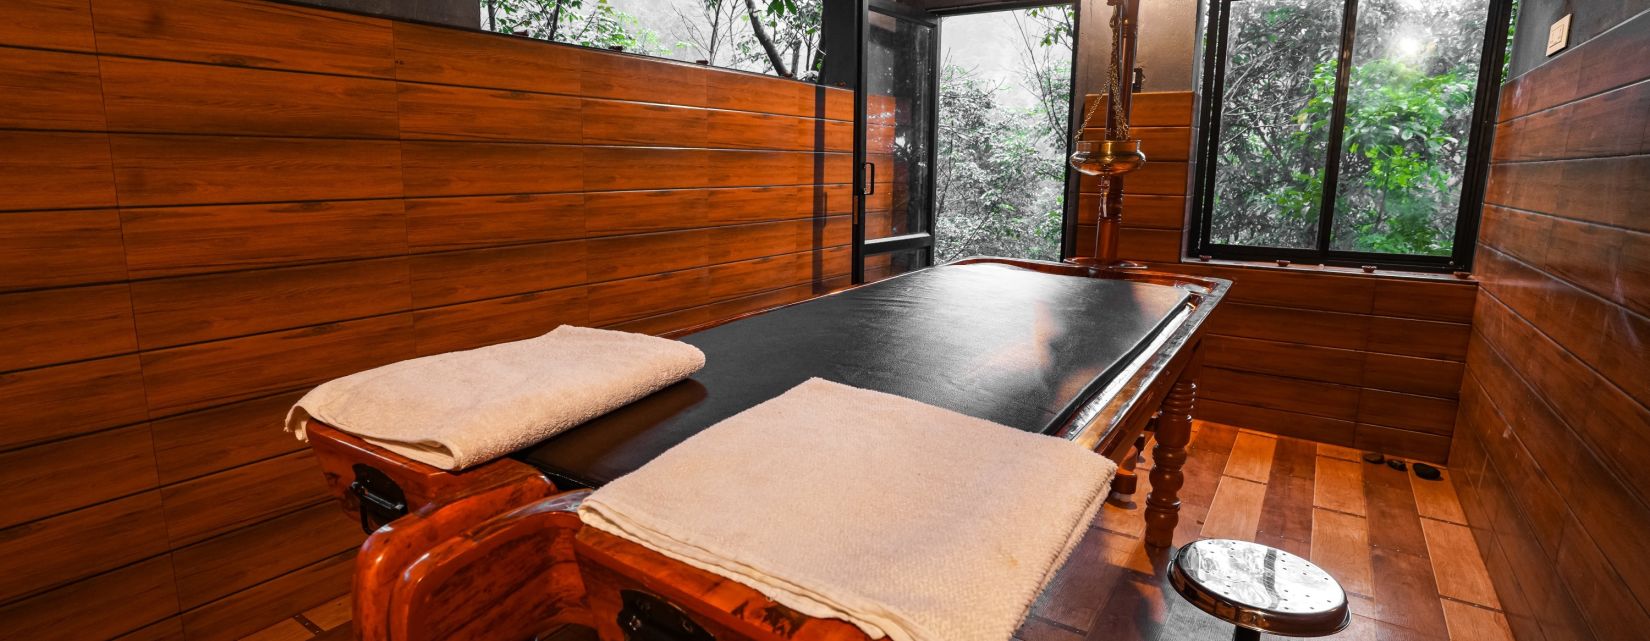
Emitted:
pixel 1548 501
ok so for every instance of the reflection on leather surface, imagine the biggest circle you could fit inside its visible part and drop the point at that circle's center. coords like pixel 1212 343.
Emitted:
pixel 1001 343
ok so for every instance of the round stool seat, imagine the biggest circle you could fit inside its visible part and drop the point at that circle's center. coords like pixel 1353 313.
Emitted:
pixel 1259 589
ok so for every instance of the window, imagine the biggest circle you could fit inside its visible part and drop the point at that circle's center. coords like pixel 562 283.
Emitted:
pixel 782 40
pixel 1347 131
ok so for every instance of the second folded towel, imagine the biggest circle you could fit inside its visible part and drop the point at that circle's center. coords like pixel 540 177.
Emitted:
pixel 908 520
pixel 460 409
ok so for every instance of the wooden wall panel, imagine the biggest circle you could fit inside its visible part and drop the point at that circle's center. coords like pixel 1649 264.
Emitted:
pixel 201 170
pixel 54 249
pixel 1309 352
pixel 1394 346
pixel 52 552
pixel 246 33
pixel 1553 419
pixel 49 90
pixel 53 170
pixel 64 475
pixel 171 97
pixel 208 206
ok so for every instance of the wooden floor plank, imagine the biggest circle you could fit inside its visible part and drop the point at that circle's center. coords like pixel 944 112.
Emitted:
pixel 331 614
pixel 1403 596
pixel 1235 513
pixel 1340 545
pixel 1391 509
pixel 1468 623
pixel 1437 499
pixel 1456 565
pixel 1340 485
pixel 1338 452
pixel 286 630
pixel 1251 457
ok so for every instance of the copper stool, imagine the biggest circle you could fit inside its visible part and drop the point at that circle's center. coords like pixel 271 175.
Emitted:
pixel 1259 589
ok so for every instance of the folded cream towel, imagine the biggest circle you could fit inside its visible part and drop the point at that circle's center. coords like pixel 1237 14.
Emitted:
pixel 904 519
pixel 459 409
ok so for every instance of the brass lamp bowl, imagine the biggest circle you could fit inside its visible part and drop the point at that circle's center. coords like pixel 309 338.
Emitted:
pixel 1107 157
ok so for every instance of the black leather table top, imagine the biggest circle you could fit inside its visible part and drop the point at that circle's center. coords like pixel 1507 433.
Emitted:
pixel 1002 343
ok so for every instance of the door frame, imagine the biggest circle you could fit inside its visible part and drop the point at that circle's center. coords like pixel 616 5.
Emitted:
pixel 864 174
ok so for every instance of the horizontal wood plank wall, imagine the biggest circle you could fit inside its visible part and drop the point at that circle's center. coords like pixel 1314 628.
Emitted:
pixel 207 206
pixel 1336 356
pixel 1372 362
pixel 1552 441
pixel 1154 197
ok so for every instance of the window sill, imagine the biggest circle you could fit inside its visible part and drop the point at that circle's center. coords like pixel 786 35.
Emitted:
pixel 1382 273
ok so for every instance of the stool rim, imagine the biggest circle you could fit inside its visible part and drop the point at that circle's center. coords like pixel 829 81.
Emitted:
pixel 1289 624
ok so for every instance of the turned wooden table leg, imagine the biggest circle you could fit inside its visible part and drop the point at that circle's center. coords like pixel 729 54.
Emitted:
pixel 1174 431
pixel 1125 483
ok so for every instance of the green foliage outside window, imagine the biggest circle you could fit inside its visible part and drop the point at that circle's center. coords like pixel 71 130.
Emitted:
pixel 1409 105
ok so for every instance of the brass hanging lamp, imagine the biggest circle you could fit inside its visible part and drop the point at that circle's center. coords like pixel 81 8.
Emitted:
pixel 1117 154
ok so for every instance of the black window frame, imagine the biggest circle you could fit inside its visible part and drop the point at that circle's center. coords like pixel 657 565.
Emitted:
pixel 1480 134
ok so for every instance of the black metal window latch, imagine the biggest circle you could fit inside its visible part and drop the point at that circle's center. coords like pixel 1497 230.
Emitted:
pixel 645 617
pixel 378 498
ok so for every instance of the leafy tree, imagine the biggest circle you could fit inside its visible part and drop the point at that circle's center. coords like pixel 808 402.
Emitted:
pixel 590 23
pixel 1001 169
pixel 1409 104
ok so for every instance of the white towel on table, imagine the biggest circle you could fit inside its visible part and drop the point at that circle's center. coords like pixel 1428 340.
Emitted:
pixel 459 409
pixel 904 519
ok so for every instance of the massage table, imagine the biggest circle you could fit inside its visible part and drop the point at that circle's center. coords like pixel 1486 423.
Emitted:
pixel 1099 356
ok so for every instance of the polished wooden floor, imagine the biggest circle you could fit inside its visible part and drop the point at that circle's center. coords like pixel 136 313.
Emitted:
pixel 1398 544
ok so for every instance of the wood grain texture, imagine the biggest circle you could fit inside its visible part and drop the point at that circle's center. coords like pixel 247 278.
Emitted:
pixel 170 97
pixel 200 443
pixel 257 553
pixel 173 241
pixel 195 511
pixel 109 392
pixel 41 170
pixel 247 33
pixel 190 170
pixel 467 168
pixel 49 90
pixel 208 207
pixel 454 277
pixel 197 376
pixel 1544 373
pixel 438 112
pixel 249 610
pixel 52 552
pixel 465 58
pixel 48 327
pixel 496 320
pixel 50 24
pixel 128 598
pixel 485 221
pixel 197 309
pixel 54 249
pixel 61 476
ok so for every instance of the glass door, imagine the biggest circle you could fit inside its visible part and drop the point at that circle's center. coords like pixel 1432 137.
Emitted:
pixel 896 105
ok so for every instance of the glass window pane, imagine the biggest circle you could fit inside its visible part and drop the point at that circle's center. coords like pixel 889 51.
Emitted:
pixel 718 32
pixel 899 72
pixel 1005 93
pixel 1274 122
pixel 1408 113
pixel 891 264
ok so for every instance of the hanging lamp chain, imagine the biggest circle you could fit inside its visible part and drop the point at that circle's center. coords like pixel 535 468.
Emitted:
pixel 1114 81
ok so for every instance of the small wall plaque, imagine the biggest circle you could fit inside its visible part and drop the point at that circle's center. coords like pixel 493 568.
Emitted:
pixel 1558 35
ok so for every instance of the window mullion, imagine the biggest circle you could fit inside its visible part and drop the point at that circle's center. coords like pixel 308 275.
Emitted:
pixel 1337 125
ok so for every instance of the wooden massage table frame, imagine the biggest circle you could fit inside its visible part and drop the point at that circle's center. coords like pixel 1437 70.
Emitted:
pixel 489 552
